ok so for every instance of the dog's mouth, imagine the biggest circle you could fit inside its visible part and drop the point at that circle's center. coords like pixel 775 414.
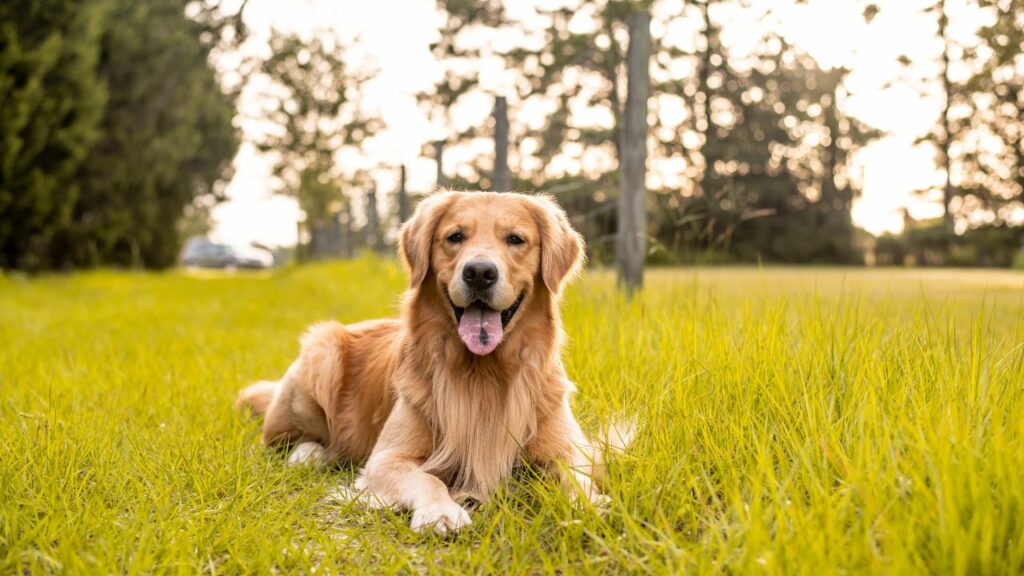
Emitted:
pixel 481 327
pixel 506 314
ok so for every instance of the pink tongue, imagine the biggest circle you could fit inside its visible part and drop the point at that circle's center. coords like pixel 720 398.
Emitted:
pixel 480 328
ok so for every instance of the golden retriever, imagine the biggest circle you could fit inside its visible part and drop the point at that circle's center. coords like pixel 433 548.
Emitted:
pixel 444 401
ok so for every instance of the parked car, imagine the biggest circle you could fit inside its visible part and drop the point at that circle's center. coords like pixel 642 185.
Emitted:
pixel 203 253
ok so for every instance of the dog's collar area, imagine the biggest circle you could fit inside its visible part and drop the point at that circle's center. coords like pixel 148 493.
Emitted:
pixel 506 314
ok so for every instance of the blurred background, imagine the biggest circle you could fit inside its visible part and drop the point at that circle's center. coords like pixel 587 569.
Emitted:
pixel 247 134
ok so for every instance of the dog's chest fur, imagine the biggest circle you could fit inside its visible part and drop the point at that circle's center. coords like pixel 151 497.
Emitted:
pixel 481 411
pixel 481 419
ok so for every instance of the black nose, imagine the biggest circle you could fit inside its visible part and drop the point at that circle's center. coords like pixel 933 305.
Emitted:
pixel 480 274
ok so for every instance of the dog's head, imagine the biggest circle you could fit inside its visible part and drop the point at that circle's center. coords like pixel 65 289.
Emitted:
pixel 488 254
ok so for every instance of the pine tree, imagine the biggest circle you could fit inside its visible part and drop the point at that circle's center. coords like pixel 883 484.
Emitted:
pixel 112 122
pixel 51 102
pixel 167 137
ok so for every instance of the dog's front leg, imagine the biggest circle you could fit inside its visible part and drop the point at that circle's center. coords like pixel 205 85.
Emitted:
pixel 395 477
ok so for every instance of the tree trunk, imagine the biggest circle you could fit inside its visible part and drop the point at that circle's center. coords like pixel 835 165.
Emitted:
pixel 705 67
pixel 632 237
pixel 946 129
pixel 502 181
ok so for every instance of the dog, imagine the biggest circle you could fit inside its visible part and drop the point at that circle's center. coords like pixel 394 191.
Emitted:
pixel 443 402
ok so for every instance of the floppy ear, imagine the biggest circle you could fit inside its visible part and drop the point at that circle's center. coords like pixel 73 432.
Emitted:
pixel 561 247
pixel 418 232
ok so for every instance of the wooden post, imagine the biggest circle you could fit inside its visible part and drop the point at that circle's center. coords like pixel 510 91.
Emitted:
pixel 442 181
pixel 502 181
pixel 403 197
pixel 341 218
pixel 632 237
pixel 336 241
pixel 373 240
pixel 350 237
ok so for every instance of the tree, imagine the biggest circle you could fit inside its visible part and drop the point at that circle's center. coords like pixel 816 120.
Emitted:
pixel 113 122
pixel 316 111
pixel 944 130
pixel 460 50
pixel 782 159
pixel 977 136
pixel 993 154
pixel 944 134
pixel 544 68
pixel 51 102
pixel 734 169
pixel 955 127
pixel 168 137
pixel 773 156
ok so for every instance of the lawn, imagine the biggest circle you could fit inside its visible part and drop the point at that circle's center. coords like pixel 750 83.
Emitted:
pixel 792 421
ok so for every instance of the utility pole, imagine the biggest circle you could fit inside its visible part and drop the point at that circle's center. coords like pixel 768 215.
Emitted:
pixel 502 181
pixel 632 237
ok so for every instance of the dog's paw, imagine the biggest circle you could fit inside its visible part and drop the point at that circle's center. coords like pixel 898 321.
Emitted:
pixel 442 518
pixel 602 503
pixel 307 453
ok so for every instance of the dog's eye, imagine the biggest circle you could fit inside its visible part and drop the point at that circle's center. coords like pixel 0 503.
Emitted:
pixel 456 237
pixel 515 240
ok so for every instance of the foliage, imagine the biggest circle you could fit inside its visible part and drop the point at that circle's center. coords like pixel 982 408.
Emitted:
pixel 459 61
pixel 756 148
pixel 993 174
pixel 168 138
pixel 51 104
pixel 792 421
pixel 979 136
pixel 777 153
pixel 930 244
pixel 144 130
pixel 314 103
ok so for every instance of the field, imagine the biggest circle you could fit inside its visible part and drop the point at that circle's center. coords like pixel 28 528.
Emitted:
pixel 792 421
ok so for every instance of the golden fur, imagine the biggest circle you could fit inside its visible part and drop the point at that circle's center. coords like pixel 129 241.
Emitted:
pixel 431 420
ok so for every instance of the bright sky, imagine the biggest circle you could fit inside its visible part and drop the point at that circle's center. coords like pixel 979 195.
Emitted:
pixel 396 34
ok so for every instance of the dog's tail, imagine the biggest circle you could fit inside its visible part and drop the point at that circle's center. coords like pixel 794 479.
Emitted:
pixel 256 397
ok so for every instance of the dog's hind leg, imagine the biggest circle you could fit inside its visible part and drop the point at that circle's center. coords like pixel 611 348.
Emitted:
pixel 293 416
pixel 295 406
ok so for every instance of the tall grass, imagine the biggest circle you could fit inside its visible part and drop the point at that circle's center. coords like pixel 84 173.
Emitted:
pixel 792 421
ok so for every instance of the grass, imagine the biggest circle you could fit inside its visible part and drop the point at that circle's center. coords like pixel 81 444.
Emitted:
pixel 793 421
